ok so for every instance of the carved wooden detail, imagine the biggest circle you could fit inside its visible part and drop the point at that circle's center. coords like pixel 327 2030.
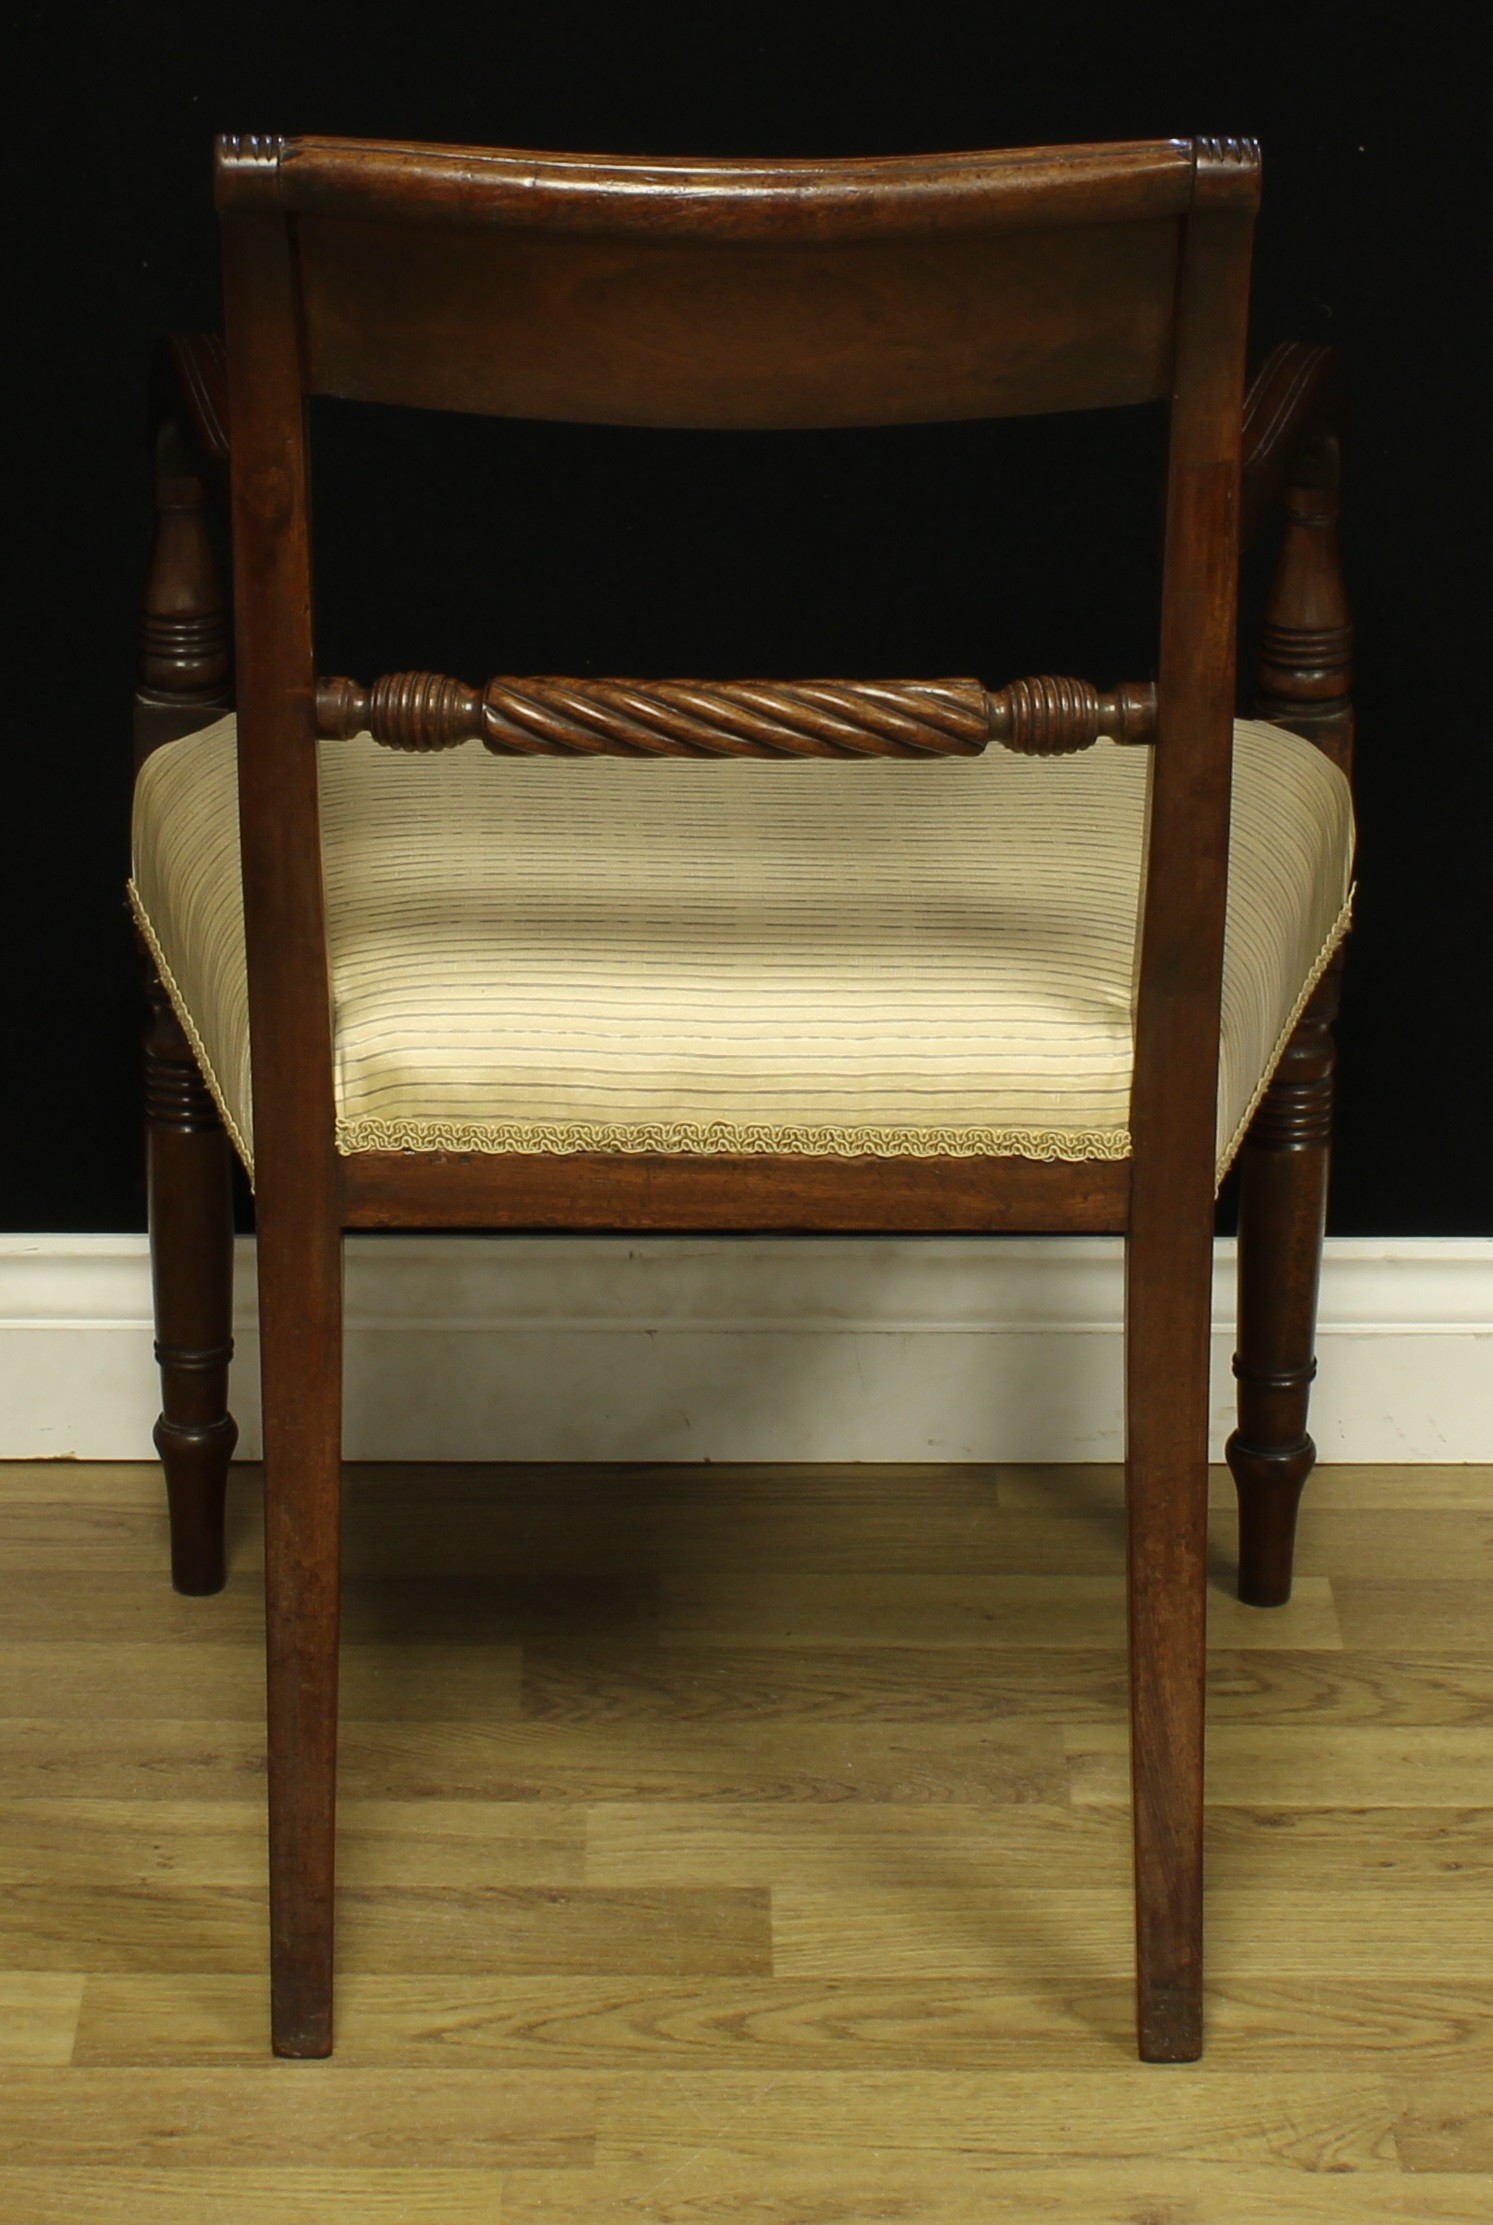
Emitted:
pixel 1051 717
pixel 248 169
pixel 1306 643
pixel 1296 1111
pixel 191 1228
pixel 403 710
pixel 1283 1206
pixel 736 718
pixel 1226 173
pixel 198 362
pixel 1228 152
pixel 183 618
pixel 176 1096
pixel 1298 393
pixel 252 146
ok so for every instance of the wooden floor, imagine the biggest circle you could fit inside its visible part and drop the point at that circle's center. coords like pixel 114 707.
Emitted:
pixel 745 1845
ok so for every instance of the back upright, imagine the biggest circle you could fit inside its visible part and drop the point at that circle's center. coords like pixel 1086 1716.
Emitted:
pixel 777 294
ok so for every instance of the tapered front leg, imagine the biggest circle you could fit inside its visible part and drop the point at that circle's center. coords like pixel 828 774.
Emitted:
pixel 1305 681
pixel 1282 1213
pixel 191 1251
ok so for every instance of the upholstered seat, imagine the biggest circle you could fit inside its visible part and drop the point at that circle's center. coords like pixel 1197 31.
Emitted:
pixel 888 957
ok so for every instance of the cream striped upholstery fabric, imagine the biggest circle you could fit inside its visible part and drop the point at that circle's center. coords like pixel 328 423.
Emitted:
pixel 607 954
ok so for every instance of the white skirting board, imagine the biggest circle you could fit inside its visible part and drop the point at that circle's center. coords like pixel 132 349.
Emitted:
pixel 747 1348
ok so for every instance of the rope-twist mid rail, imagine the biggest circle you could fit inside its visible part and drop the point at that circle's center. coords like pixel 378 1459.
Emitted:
pixel 734 718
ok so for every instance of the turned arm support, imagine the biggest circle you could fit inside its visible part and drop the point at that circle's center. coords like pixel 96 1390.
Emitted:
pixel 740 718
pixel 195 381
pixel 1293 425
pixel 1296 403
pixel 184 662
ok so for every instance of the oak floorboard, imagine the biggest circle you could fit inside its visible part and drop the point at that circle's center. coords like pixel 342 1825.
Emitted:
pixel 832 2188
pixel 85 1483
pixel 1443 2126
pixel 785 1760
pixel 1302 1849
pixel 937 1611
pixel 1425 1930
pixel 853 1533
pixel 1408 2025
pixel 658 1930
pixel 461 2020
pixel 592 2023
pixel 848 2187
pixel 1015 1486
pixel 647 1931
pixel 392 1927
pixel 1406 1688
pixel 1369 1849
pixel 201 1842
pixel 1359 1488
pixel 226 1683
pixel 844 1536
pixel 131 1759
pixel 426 2194
pixel 849 1530
pixel 39 2015
pixel 128 1606
pixel 337 2116
pixel 130 1925
pixel 1418 1614
pixel 501 1608
pixel 584 1685
pixel 683 1484
pixel 1396 1484
pixel 1323 2121
pixel 1317 1765
pixel 856 1843
pixel 42 1535
pixel 1416 1542
pixel 327 2116
pixel 745 1847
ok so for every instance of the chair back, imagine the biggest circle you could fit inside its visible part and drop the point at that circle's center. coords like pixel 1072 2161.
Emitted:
pixel 739 294
pixel 732 294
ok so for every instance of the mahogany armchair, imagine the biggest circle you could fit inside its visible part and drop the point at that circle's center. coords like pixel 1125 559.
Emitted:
pixel 1012 1066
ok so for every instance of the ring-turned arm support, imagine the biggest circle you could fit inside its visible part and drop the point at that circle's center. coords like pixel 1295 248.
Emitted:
pixel 1293 426
pixel 1298 396
pixel 184 661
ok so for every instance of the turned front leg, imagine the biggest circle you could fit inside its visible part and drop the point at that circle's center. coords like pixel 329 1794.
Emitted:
pixel 1282 1213
pixel 191 1248
pixel 1305 683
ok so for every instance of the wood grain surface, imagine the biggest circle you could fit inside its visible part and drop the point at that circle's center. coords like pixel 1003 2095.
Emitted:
pixel 745 1845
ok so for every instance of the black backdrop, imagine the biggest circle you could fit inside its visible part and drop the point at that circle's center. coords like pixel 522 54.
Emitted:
pixel 996 549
